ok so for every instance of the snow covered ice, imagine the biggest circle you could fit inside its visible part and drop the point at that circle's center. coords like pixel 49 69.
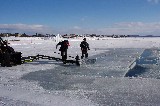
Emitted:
pixel 104 83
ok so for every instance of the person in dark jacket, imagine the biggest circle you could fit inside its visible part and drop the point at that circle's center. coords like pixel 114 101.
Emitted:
pixel 5 53
pixel 84 48
pixel 64 46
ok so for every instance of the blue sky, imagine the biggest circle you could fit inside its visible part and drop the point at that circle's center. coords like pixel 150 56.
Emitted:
pixel 80 16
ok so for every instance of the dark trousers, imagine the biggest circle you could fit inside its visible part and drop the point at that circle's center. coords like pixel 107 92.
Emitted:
pixel 1 57
pixel 84 53
pixel 64 55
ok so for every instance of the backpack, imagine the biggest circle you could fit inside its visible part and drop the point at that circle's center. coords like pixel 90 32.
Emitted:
pixel 84 45
pixel 64 45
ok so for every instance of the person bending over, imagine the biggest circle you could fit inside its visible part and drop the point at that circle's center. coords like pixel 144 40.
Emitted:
pixel 64 46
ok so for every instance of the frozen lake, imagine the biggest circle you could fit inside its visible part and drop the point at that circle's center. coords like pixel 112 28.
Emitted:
pixel 114 80
pixel 112 64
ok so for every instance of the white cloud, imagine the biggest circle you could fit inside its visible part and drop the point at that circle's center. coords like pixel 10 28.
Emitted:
pixel 126 28
pixel 154 1
pixel 133 28
pixel 84 18
pixel 23 28
pixel 137 28
pixel 77 27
